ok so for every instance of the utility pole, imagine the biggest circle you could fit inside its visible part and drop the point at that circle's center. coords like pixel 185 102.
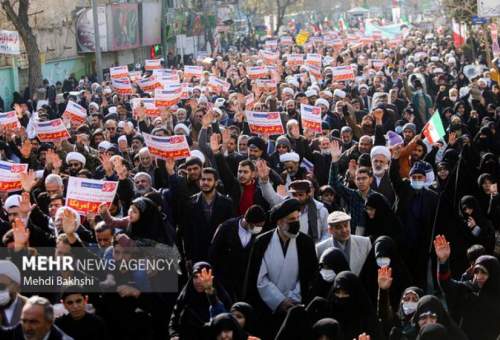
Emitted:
pixel 164 9
pixel 97 42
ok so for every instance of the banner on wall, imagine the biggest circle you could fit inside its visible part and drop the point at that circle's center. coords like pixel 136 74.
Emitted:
pixel 9 42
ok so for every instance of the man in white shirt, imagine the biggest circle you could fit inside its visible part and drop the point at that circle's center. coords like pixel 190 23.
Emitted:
pixel 355 248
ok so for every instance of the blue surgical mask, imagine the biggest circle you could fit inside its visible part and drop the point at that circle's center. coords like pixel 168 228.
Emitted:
pixel 417 185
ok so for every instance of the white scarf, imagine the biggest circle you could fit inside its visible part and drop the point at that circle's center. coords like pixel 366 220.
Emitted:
pixel 279 275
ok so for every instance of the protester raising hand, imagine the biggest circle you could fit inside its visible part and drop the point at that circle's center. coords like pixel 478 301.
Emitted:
pixel 28 180
pixel 207 280
pixel 263 170
pixel 69 222
pixel 335 150
pixel 214 143
pixel 442 248
pixel 21 234
pixel 363 336
pixel 25 205
pixel 170 166
pixel 385 277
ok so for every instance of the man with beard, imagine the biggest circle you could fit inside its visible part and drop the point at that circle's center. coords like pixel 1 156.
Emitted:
pixel 380 157
pixel 146 163
pixel 282 266
pixel 142 183
pixel 364 146
pixel 413 152
pixel 292 169
pixel 207 210
pixel 313 214
pixel 11 302
pixel 75 162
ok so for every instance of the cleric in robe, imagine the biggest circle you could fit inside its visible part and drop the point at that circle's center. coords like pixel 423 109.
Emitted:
pixel 282 266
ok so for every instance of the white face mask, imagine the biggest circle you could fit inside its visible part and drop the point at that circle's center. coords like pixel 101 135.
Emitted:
pixel 409 308
pixel 255 230
pixel 4 297
pixel 328 274
pixel 383 261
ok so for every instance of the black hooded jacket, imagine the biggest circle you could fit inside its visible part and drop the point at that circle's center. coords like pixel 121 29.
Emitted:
pixel 478 308
pixel 355 313
pixel 430 303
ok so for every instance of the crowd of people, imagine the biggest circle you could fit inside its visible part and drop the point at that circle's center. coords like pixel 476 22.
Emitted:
pixel 368 229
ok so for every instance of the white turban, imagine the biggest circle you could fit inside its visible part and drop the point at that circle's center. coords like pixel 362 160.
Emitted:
pixel 198 154
pixel 182 127
pixel 310 93
pixel 321 101
pixel 380 150
pixel 105 145
pixel 288 90
pixel 289 157
pixel 112 109
pixel 12 201
pixel 75 156
pixel 339 93
pixel 10 270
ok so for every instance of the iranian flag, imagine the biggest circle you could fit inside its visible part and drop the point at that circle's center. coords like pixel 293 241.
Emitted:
pixel 459 33
pixel 434 130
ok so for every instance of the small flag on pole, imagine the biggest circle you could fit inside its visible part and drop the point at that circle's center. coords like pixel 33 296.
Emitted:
pixel 307 164
pixel 434 130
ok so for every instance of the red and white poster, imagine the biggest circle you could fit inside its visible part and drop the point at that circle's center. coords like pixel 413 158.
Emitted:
pixel 257 72
pixel 86 195
pixel 269 57
pixel 135 75
pixel 218 85
pixel 150 108
pixel 295 59
pixel 192 71
pixel 122 86
pixel 271 44
pixel 311 117
pixel 75 112
pixel 149 84
pixel 264 123
pixel 51 131
pixel 186 90
pixel 377 63
pixel 118 72
pixel 167 98
pixel 286 40
pixel 9 120
pixel 342 73
pixel 315 71
pixel 313 59
pixel 152 64
pixel 10 176
pixel 175 147
pixel 266 85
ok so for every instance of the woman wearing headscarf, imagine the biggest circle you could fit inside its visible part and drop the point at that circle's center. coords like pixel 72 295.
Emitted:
pixel 430 311
pixel 398 324
pixel 384 253
pixel 245 315
pixel 380 218
pixel 331 263
pixel 488 198
pixel 476 228
pixel 327 329
pixel 433 331
pixel 195 303
pixel 225 327
pixel 352 307
pixel 296 326
pixel 476 302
